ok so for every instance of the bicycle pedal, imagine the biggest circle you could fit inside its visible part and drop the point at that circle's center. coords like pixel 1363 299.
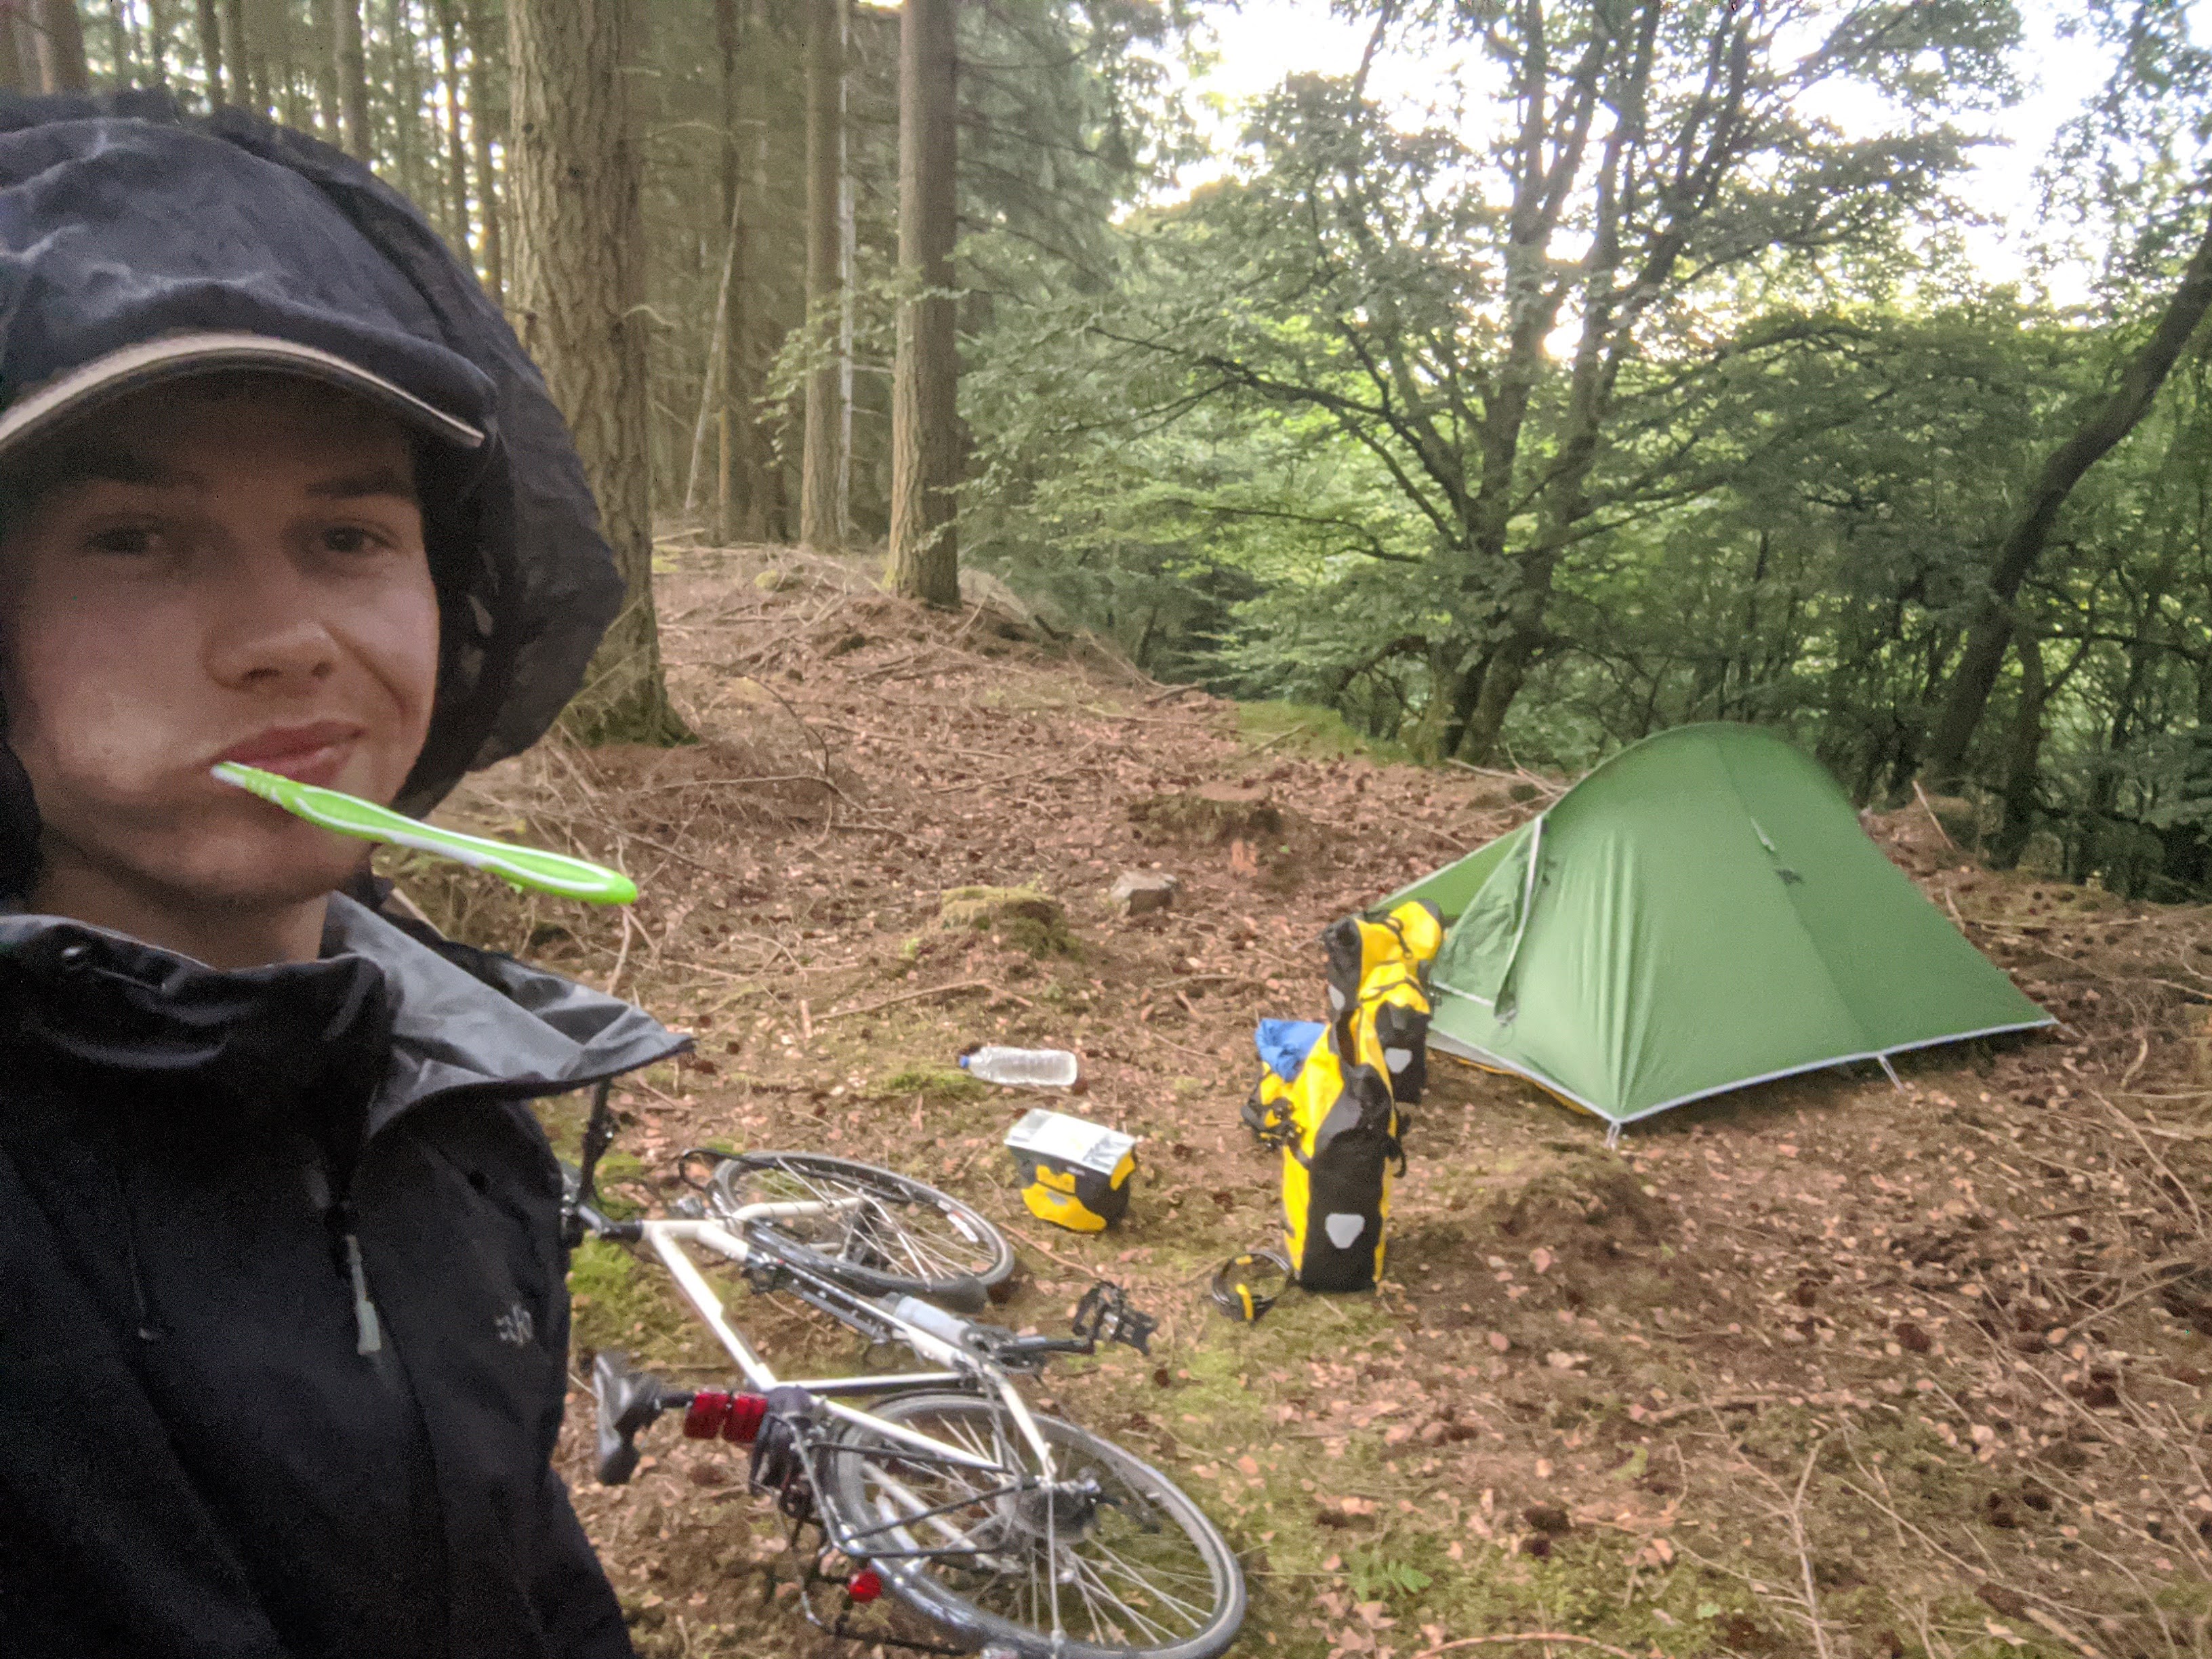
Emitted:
pixel 1104 1316
pixel 628 1400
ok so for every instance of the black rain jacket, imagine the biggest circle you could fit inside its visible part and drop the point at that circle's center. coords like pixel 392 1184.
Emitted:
pixel 283 1328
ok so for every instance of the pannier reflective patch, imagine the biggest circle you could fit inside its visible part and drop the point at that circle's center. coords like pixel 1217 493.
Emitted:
pixel 1343 1230
pixel 1398 1058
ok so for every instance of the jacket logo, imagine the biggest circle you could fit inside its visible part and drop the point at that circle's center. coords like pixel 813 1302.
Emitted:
pixel 516 1326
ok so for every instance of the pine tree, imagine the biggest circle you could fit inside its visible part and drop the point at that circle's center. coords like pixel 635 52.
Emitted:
pixel 925 413
pixel 353 79
pixel 821 511
pixel 574 170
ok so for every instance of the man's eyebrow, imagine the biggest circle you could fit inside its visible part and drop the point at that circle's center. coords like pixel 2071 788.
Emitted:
pixel 378 481
pixel 113 463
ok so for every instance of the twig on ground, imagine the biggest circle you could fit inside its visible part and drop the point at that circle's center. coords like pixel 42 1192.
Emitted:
pixel 908 996
pixel 1047 1252
pixel 1795 1512
pixel 1739 1402
pixel 1284 735
pixel 1523 1637
pixel 622 957
pixel 1927 807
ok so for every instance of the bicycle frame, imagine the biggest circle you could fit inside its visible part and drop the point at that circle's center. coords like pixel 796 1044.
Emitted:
pixel 797 1438
pixel 957 1367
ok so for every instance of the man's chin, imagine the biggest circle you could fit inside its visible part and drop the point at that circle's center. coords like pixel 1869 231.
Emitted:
pixel 267 889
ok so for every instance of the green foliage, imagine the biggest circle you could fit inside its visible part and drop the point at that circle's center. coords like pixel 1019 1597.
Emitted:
pixel 1293 452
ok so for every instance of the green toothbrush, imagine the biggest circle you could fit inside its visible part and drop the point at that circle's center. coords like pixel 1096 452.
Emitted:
pixel 519 866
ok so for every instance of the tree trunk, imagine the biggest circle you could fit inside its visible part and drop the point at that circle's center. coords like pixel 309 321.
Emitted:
pixel 406 102
pixel 713 395
pixel 483 116
pixel 122 53
pixel 353 79
pixel 2023 753
pixel 819 521
pixel 234 54
pixel 157 43
pixel 735 495
pixel 208 17
pixel 924 561
pixel 575 173
pixel 2116 416
pixel 62 66
pixel 1607 317
pixel 457 165
pixel 329 119
pixel 16 72
pixel 277 59
pixel 848 254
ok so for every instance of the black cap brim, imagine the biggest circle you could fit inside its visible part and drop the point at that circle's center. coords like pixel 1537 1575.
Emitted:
pixel 177 356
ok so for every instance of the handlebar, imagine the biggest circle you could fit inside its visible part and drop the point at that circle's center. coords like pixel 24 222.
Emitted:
pixel 592 1221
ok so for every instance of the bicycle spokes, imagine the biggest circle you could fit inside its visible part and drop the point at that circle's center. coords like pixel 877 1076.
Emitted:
pixel 1084 1555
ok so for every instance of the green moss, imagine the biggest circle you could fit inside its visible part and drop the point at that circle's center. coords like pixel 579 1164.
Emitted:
pixel 1027 918
pixel 1299 728
pixel 942 1083
pixel 618 1303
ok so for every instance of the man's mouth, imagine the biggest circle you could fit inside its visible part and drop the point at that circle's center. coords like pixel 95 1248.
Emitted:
pixel 315 753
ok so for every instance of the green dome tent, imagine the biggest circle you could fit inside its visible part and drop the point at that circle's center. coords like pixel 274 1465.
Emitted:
pixel 1700 913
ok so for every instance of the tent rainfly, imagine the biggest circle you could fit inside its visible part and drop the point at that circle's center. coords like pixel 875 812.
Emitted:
pixel 1700 913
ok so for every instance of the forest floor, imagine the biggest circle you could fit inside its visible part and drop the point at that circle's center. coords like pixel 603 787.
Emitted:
pixel 1827 1367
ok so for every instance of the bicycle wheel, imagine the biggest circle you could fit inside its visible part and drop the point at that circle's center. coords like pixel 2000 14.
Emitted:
pixel 1110 1561
pixel 880 1232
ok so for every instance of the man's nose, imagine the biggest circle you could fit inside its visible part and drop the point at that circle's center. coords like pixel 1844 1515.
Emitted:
pixel 271 632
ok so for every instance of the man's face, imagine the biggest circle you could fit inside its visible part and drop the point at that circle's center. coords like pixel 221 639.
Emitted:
pixel 227 569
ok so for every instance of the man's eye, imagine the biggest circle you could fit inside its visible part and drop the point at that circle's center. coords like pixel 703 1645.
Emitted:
pixel 351 538
pixel 125 539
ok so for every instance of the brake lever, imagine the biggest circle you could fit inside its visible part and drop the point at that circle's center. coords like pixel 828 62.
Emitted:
pixel 1104 1316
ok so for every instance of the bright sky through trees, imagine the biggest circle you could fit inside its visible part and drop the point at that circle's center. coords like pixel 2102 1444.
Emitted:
pixel 1260 41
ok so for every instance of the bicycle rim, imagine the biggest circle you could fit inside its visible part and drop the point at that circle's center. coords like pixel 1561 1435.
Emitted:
pixel 881 1231
pixel 1137 1571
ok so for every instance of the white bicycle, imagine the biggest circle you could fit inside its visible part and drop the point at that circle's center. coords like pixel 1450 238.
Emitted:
pixel 1011 1532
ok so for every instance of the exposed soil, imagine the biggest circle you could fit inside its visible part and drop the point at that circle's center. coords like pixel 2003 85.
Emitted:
pixel 1827 1367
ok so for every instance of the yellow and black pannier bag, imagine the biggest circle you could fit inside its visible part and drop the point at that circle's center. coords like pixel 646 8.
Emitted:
pixel 1340 1137
pixel 1267 1111
pixel 1073 1173
pixel 1379 970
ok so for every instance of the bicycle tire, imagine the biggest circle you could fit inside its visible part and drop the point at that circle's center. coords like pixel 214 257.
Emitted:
pixel 940 1270
pixel 958 1596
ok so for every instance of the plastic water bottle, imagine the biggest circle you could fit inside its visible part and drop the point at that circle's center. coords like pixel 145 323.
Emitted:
pixel 1023 1068
pixel 931 1318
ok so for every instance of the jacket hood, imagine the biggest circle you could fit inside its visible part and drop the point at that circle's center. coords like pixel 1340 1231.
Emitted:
pixel 424 1019
pixel 124 220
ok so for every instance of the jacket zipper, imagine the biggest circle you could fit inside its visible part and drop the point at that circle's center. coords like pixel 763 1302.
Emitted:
pixel 370 1329
pixel 345 1240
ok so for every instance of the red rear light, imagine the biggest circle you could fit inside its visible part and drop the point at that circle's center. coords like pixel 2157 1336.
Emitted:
pixel 864 1585
pixel 704 1416
pixel 743 1421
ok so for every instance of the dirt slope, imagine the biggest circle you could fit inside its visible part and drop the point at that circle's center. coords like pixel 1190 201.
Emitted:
pixel 1828 1367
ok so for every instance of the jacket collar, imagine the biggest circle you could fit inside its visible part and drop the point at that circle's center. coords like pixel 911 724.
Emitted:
pixel 460 1019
